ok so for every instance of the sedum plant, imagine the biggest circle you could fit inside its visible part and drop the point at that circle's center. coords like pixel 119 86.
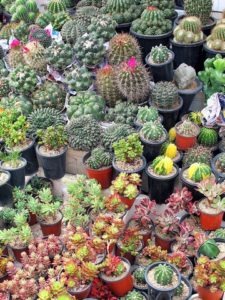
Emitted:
pixel 52 138
pixel 126 185
pixel 150 254
pixel 130 241
pixel 100 158
pixel 53 290
pixel 167 224
pixel 113 266
pixel 113 204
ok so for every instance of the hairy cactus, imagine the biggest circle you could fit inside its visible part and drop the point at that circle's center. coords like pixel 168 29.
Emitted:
pixel 164 95
pixel 216 40
pixel 167 7
pixel 162 165
pixel 71 30
pixel 159 54
pixel 79 79
pixel 179 290
pixel 4 87
pixel 23 80
pixel 59 55
pixel 153 131
pixel 56 6
pixel 199 8
pixel 188 31
pixel 84 133
pixel 208 137
pixel 169 150
pixel 199 171
pixel 59 20
pixel 99 158
pixel 197 154
pixel 40 35
pixel 49 94
pixel 146 114
pixel 122 113
pixel 133 81
pixel 34 56
pixel 152 22
pixel 134 295
pixel 44 19
pixel 89 50
pixel 163 274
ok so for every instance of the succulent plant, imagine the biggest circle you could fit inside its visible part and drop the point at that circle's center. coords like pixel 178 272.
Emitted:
pixel 152 22
pixel 79 79
pixel 199 171
pixel 99 158
pixel 198 154
pixel 86 103
pixel 4 87
pixel 167 7
pixel 34 56
pixel 126 185
pixel 23 80
pixel 169 149
pixel 134 295
pixel 122 47
pixel 139 275
pixel 40 35
pixel 56 6
pixel 71 30
pixel 44 19
pixel 199 8
pixel 188 31
pixel 133 81
pixel 49 94
pixel 153 131
pixel 59 20
pixel 162 165
pixel 216 40
pixel 164 95
pixel 163 274
pixel 21 32
pixel 85 14
pixel 26 11
pixel 179 290
pixel 146 114
pixel 159 54
pixel 208 137
pixel 15 55
pixel 220 163
pixel 84 133
pixel 219 233
pixel 89 50
pixel 122 113
pixel 187 128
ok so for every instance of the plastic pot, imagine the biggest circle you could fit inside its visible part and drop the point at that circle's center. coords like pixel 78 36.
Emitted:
pixel 54 228
pixel 103 175
pixel 82 293
pixel 54 166
pixel 30 155
pixel 122 285
pixel 219 176
pixel 32 219
pixel 206 294
pixel 161 187
pixel 191 185
pixel 188 96
pixel 147 42
pixel 163 71
pixel 127 201
pixel 138 171
pixel 17 252
pixel 210 53
pixel 186 142
pixel 124 27
pixel 17 175
pixel 6 198
pixel 164 243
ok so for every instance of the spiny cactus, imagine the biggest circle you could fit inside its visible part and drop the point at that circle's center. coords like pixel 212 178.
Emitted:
pixel 122 113
pixel 21 32
pixel 44 19
pixel 59 20
pixel 56 6
pixel 97 3
pixel 163 274
pixel 71 30
pixel 187 128
pixel 139 275
pixel 167 7
pixel 162 165
pixel 85 14
pixel 40 35
pixel 220 163
pixel 34 56
pixel 179 290
pixel 7 30
pixel 79 79
pixel 152 22
pixel 199 171
pixel 99 158
pixel 198 154
pixel 208 137
pixel 164 94
pixel 153 131
pixel 134 295
pixel 169 150
pixel 188 31
pixel 216 40
pixel 15 55
pixel 21 103
pixel 26 11
pixel 199 8
pixel 133 81
pixel 146 114
pixel 122 47
pixel 159 54
pixel 59 55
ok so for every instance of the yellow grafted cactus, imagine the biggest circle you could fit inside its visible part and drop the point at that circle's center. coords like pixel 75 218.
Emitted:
pixel 169 150
pixel 199 171
pixel 172 134
pixel 162 165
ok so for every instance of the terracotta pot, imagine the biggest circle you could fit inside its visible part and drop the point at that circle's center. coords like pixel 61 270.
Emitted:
pixel 165 244
pixel 111 248
pixel 205 294
pixel 17 252
pixel 211 221
pixel 32 219
pixel 127 201
pixel 81 294
pixel 184 142
pixel 54 228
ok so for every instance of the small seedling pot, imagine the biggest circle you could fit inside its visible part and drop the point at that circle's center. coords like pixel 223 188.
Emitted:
pixel 206 294
pixel 6 197
pixel 17 174
pixel 54 228
pixel 17 252
pixel 82 293
pixel 185 142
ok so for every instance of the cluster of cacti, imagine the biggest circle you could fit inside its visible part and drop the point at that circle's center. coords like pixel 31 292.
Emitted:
pixel 146 114
pixel 103 27
pixel 163 274
pixel 99 158
pixel 199 8
pixel 15 55
pixel 79 79
pixel 40 35
pixel 179 290
pixel 59 20
pixel 159 54
pixel 162 165
pixel 71 30
pixel 49 94
pixel 216 40
pixel 23 80
pixel 153 131
pixel 4 87
pixel 198 154
pixel 208 137
pixel 89 50
pixel 34 56
pixel 199 171
pixel 220 163
pixel 24 10
pixel 21 103
pixel 134 295
pixel 86 103
pixel 133 81
pixel 107 86
pixel 164 95
pixel 152 22
pixel 139 276
pixel 169 150
pixel 122 113
pixel 44 19
pixel 59 55
pixel 188 31
pixel 84 133
pixel 56 6
pixel 167 7
pixel 187 128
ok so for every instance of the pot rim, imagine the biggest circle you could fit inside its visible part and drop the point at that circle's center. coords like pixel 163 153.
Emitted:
pixel 191 91
pixel 192 45
pixel 161 64
pixel 26 148
pixel 193 136
pixel 168 110
pixel 205 213
pixel 18 248
pixel 212 51
pixel 14 169
pixel 151 37
pixel 161 177
pixel 50 156
pixel 8 179
pixel 122 25
pixel 49 225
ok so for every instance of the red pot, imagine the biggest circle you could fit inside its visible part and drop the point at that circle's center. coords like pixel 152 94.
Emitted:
pixel 103 176
pixel 184 142
pixel 32 219
pixel 211 222
pixel 127 201
pixel 17 252
pixel 82 294
pixel 165 244
pixel 111 248
pixel 205 294
pixel 48 229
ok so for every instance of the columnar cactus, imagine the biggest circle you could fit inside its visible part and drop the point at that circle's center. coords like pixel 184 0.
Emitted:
pixel 133 81
pixel 167 7
pixel 34 56
pixel 25 11
pixel 56 6
pixel 146 114
pixel 162 165
pixel 40 35
pixel 164 94
pixel 159 54
pixel 199 8
pixel 216 40
pixel 163 274
pixel 122 47
pixel 153 131
pixel 207 137
pixel 199 171
pixel 59 55
pixel 79 79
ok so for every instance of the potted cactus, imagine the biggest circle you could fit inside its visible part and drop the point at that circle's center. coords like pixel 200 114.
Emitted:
pixel 146 114
pixel 123 112
pixel 162 173
pixel 135 295
pixel 99 166
pixel 208 137
pixel 138 275
pixel 170 150
pixel 165 98
pixel 218 166
pixel 160 60
pixel 198 154
pixel 215 43
pixel 186 134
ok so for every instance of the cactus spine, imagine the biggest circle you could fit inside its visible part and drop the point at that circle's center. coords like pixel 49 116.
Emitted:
pixel 164 95
pixel 163 274
pixel 153 131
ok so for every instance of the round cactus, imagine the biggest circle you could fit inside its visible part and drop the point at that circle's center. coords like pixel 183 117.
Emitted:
pixel 146 114
pixel 44 19
pixel 79 79
pixel 164 95
pixel 219 233
pixel 216 40
pixel 162 165
pixel 99 158
pixel 40 35
pixel 163 274
pixel 169 150
pixel 56 6
pixel 139 276
pixel 179 290
pixel 198 154
pixel 71 30
pixel 167 7
pixel 208 137
pixel 199 171
pixel 34 56
pixel 134 295
pixel 59 20
pixel 4 87
pixel 153 132
pixel 199 8
pixel 159 54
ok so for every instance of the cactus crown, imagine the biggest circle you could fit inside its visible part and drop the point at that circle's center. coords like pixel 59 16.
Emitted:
pixel 164 94
pixel 159 54
pixel 192 24
pixel 218 32
pixel 199 171
pixel 163 274
pixel 134 295
pixel 208 137
pixel 187 128
pixel 167 7
pixel 216 40
pixel 153 131
pixel 146 114
pixel 199 8
pixel 220 163
pixel 162 165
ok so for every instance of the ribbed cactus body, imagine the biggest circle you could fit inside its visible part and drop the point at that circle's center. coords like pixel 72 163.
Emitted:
pixel 59 55
pixel 162 165
pixel 71 30
pixel 208 137
pixel 134 295
pixel 59 20
pixel 163 274
pixel 34 56
pixel 153 131
pixel 167 7
pixel 139 275
pixel 216 40
pixel 146 114
pixel 79 79
pixel 118 6
pixel 199 8
pixel 199 171
pixel 169 150
pixel 159 54
pixel 56 6
pixel 99 158
pixel 15 56
pixel 44 19
pixel 164 95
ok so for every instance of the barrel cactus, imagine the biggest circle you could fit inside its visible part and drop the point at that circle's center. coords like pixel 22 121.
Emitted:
pixel 146 114
pixel 60 19
pixel 122 47
pixel 162 165
pixel 163 274
pixel 164 95
pixel 7 30
pixel 199 171
pixel 34 56
pixel 197 154
pixel 208 137
pixel 169 150
pixel 216 40
pixel 59 55
pixel 199 8
pixel 134 295
pixel 187 128
pixel 40 35
pixel 21 32
pixel 209 248
pixel 219 233
pixel 26 11
pixel 99 158
pixel 122 113
pixel 56 6
pixel 85 14
pixel 153 132
pixel 21 103
pixel 139 276
pixel 79 79
pixel 152 22
pixel 188 31
pixel 71 30
pixel 133 81
pixel 159 54
pixel 167 7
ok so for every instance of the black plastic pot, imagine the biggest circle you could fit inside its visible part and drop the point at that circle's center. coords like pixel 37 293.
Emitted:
pixel 6 198
pixel 147 42
pixel 163 71
pixel 17 175
pixel 179 4
pixel 192 186
pixel 174 17
pixel 161 187
pixel 191 54
pixel 30 155
pixel 188 96
pixel 210 53
pixel 220 177
pixel 54 166
pixel 140 170
pixel 124 27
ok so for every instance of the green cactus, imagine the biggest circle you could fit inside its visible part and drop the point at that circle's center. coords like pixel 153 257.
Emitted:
pixel 179 290
pixel 89 50
pixel 21 103
pixel 79 79
pixel 152 22
pixel 187 128
pixel 84 133
pixel 188 31
pixel 4 87
pixel 21 32
pixel 59 55
pixel 167 7
pixel 209 249
pixel 219 233
pixel 71 30
pixel 199 171
pixel 97 3
pixel 86 13
pixel 40 35
pixel 26 11
pixel 153 131
pixel 2 52
pixel 220 163
pixel 164 95
pixel 7 30
pixel 163 274
pixel 15 56
pixel 159 54
pixel 34 56
pixel 122 113
pixel 208 137
pixel 198 154
pixel 216 40
pixel 122 47
pixel 134 295
pixel 59 20
pixel 44 19
pixel 56 6
pixel 139 276
pixel 99 158
pixel 199 8
pixel 3 70
pixel 146 114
